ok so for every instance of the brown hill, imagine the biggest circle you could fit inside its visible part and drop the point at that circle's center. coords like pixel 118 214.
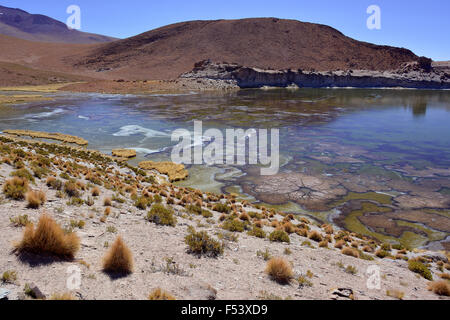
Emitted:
pixel 167 52
pixel 36 27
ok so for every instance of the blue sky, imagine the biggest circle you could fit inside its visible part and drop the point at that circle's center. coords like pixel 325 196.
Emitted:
pixel 422 26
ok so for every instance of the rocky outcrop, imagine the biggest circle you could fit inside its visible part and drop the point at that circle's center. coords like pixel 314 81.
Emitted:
pixel 409 76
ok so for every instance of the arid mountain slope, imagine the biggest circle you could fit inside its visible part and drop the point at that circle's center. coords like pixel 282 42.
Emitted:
pixel 167 52
pixel 36 27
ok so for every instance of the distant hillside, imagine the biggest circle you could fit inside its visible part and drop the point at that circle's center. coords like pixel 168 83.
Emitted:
pixel 167 52
pixel 36 27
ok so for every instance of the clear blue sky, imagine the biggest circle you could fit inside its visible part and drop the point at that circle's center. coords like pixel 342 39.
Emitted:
pixel 420 25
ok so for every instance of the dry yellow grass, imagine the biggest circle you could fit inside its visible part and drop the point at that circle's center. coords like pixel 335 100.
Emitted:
pixel 95 192
pixel 118 258
pixel 159 294
pixel 350 252
pixel 280 270
pixel 62 296
pixel 45 88
pixel 48 135
pixel 15 99
pixel 35 199
pixel 445 276
pixel 174 171
pixel 441 287
pixel 124 153
pixel 48 237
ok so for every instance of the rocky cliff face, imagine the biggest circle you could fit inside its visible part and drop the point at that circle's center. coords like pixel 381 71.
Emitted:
pixel 409 76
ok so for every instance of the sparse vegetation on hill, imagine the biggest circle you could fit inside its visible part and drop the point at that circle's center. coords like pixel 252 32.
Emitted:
pixel 227 229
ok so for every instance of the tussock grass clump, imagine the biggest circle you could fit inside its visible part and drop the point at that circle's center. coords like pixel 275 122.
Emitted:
pixel 67 296
pixel 9 277
pixel 279 236
pixel 95 191
pixel 71 189
pixel 445 276
pixel 48 237
pixel 119 258
pixel 20 221
pixel 107 202
pixel 35 199
pixel 441 287
pixel 395 294
pixel 142 203
pixel 24 174
pixel 162 215
pixel 54 183
pixel 315 236
pixel 202 244
pixel 350 252
pixel 382 253
pixel 15 188
pixel 257 232
pixel 420 268
pixel 339 244
pixel 280 270
pixel 233 225
pixel 159 294
pixel 222 208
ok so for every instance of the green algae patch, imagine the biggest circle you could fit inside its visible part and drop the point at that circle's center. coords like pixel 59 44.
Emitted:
pixel 381 198
pixel 353 224
pixel 432 235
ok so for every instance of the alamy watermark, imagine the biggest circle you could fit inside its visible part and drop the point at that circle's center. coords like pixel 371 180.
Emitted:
pixel 74 20
pixel 374 277
pixel 239 147
pixel 374 20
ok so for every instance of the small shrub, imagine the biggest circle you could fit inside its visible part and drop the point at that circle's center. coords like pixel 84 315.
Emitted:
pixel 48 237
pixel 351 270
pixel 339 244
pixel 95 191
pixel 35 199
pixel 24 174
pixel 202 244
pixel 162 215
pixel 233 225
pixel 304 281
pixel 315 236
pixel 54 183
pixel 222 208
pixel 9 277
pixel 323 244
pixel 119 258
pixel 107 202
pixel 67 296
pixel 279 236
pixel 159 294
pixel 395 294
pixel 141 203
pixel 71 189
pixel 441 287
pixel 20 221
pixel 280 270
pixel 264 254
pixel 257 232
pixel 420 268
pixel 350 252
pixel 382 253
pixel 15 188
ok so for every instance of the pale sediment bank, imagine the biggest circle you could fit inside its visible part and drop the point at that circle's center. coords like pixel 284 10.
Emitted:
pixel 47 135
